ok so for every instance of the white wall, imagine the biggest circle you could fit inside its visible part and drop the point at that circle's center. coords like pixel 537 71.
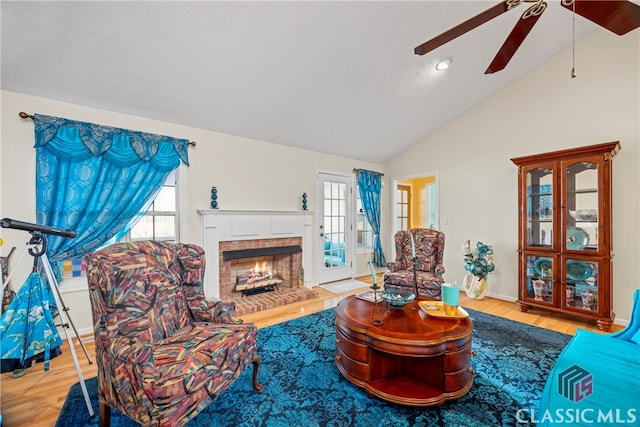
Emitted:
pixel 544 111
pixel 249 174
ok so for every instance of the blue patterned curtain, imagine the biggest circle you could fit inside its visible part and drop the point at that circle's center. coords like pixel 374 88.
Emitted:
pixel 97 180
pixel 369 185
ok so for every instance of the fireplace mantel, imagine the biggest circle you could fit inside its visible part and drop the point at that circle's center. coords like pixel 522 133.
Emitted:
pixel 234 225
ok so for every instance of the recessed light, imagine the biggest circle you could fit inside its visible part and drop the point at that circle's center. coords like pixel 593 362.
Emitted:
pixel 443 64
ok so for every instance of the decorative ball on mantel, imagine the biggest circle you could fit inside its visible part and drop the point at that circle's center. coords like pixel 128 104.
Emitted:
pixel 304 201
pixel 214 197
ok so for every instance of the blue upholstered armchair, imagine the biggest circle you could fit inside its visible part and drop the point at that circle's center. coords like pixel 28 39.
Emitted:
pixel 596 378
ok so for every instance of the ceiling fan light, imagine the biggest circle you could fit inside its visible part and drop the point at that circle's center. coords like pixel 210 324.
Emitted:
pixel 443 64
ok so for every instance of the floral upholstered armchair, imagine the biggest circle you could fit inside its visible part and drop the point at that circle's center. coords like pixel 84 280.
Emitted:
pixel 163 352
pixel 429 251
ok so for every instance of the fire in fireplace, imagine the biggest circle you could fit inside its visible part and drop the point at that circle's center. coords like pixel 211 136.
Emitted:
pixel 261 278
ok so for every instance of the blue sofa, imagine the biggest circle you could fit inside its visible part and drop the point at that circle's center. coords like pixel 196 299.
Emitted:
pixel 596 379
pixel 334 253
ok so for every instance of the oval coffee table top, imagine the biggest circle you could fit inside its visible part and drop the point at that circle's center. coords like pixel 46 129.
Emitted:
pixel 401 325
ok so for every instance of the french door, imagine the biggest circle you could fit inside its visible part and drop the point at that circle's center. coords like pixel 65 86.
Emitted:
pixel 335 217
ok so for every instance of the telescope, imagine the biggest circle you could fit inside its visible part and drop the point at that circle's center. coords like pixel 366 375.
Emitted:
pixel 35 228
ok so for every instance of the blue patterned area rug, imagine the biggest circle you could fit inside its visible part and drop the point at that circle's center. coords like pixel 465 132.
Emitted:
pixel 302 385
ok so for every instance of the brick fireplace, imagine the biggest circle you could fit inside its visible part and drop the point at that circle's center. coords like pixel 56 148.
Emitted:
pixel 234 241
pixel 238 257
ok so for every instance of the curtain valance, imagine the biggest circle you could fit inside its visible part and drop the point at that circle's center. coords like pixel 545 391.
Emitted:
pixel 77 141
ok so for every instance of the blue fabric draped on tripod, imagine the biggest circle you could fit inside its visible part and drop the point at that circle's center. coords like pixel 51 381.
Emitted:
pixel 27 328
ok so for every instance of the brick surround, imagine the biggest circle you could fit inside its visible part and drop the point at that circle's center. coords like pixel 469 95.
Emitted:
pixel 287 265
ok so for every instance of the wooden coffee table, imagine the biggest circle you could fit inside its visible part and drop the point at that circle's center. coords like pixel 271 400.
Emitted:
pixel 411 359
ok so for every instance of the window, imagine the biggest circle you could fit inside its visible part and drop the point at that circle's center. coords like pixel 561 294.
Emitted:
pixel 160 221
pixel 403 209
pixel 364 233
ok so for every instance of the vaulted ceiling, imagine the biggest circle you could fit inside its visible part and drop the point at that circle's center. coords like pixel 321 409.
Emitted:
pixel 331 76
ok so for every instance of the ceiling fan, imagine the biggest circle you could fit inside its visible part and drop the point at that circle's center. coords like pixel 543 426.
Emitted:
pixel 617 16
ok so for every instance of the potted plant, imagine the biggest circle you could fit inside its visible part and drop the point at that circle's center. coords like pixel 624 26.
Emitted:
pixel 478 264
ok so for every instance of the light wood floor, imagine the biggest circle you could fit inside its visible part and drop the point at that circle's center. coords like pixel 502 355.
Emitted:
pixel 36 398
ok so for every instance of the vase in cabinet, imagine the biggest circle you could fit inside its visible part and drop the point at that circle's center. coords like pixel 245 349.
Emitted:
pixel 564 231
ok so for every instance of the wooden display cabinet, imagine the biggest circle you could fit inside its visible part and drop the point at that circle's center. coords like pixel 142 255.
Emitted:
pixel 564 231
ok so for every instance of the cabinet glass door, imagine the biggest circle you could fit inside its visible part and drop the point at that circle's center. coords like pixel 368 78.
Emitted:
pixel 539 195
pixel 540 278
pixel 581 289
pixel 581 207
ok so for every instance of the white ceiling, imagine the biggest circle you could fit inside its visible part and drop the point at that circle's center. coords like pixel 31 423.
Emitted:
pixel 331 76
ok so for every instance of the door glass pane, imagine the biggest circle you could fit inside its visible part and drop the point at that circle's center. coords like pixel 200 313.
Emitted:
pixel 539 195
pixel 402 208
pixel 582 207
pixel 335 221
pixel 582 284
pixel 335 226
pixel 327 190
pixel 540 278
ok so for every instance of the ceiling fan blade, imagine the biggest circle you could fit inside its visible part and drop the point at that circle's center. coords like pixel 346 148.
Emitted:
pixel 516 37
pixel 464 27
pixel 616 16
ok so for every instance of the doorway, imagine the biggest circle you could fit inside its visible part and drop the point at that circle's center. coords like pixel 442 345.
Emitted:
pixel 415 202
pixel 335 218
